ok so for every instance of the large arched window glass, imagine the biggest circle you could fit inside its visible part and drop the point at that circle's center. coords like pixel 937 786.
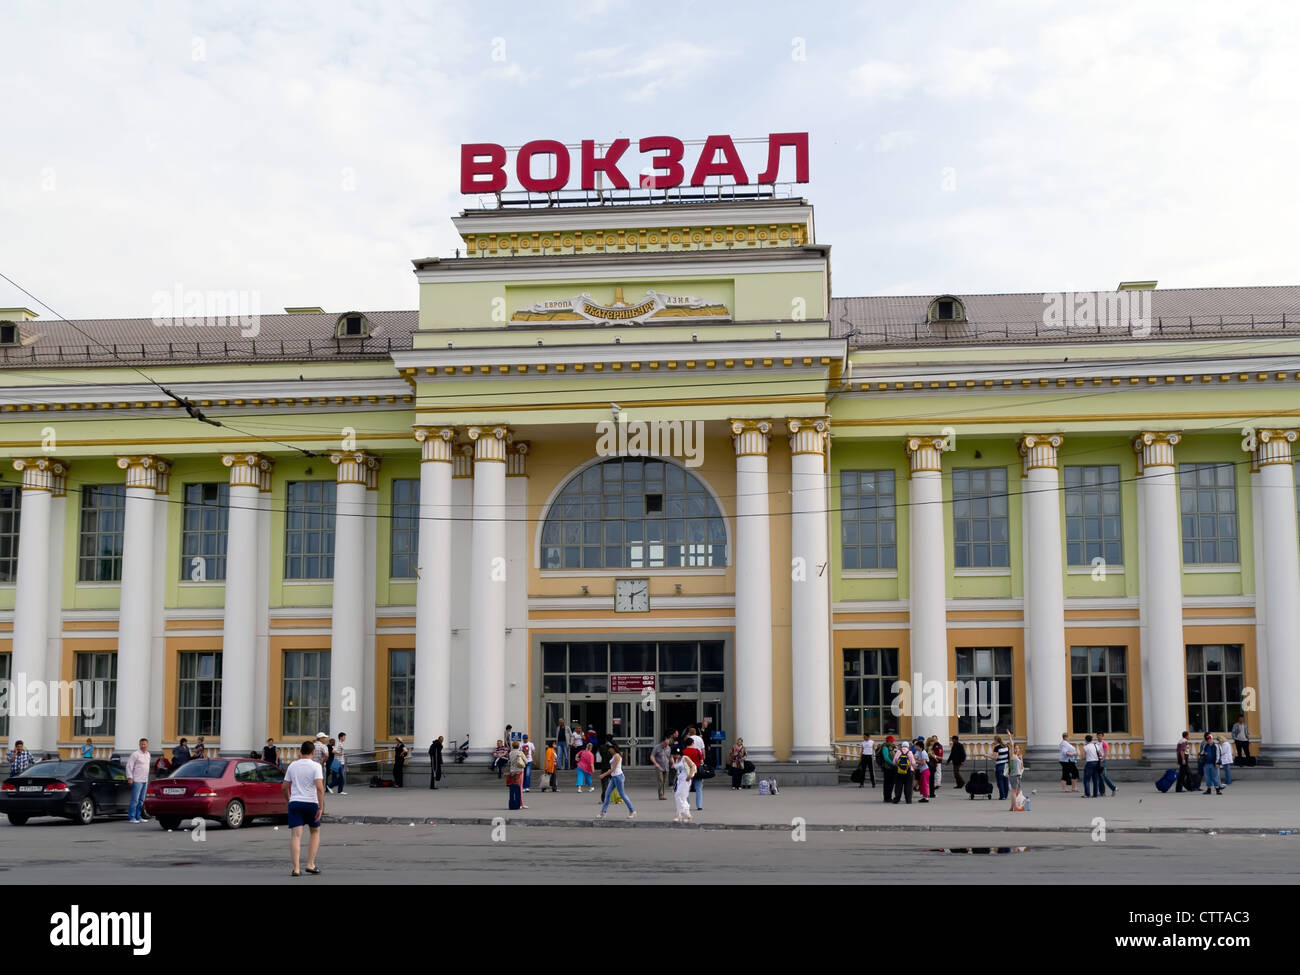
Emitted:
pixel 634 513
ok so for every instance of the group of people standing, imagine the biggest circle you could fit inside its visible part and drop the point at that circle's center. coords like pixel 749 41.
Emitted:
pixel 1096 750
pixel 907 766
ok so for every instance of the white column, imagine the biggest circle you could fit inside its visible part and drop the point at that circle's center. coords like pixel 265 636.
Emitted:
pixel 349 709
pixel 433 587
pixel 462 542
pixel 927 575
pixel 487 610
pixel 1163 653
pixel 240 725
pixel 810 628
pixel 1281 583
pixel 54 605
pixel 519 696
pixel 1044 594
pixel 1260 722
pixel 146 478
pixel 753 559
pixel 32 598
pixel 262 655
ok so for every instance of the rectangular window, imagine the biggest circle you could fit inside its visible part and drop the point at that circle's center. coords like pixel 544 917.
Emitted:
pixel 203 532
pixel 11 499
pixel 981 530
pixel 1099 689
pixel 985 699
pixel 868 538
pixel 6 662
pixel 1207 496
pixel 869 677
pixel 401 692
pixel 305 707
pixel 405 528
pixel 198 698
pixel 101 670
pixel 1214 686
pixel 1092 515
pixel 309 530
pixel 103 518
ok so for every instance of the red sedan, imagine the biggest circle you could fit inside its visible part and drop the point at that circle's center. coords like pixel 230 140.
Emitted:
pixel 233 790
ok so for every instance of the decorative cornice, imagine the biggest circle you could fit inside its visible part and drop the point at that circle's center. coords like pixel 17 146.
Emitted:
pixel 1155 449
pixel 357 467
pixel 146 471
pixel 490 442
pixel 925 452
pixel 751 437
pixel 808 434
pixel 1039 450
pixel 436 443
pixel 44 474
pixel 249 470
pixel 1273 447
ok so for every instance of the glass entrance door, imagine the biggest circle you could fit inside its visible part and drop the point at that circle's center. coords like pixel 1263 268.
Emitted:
pixel 633 726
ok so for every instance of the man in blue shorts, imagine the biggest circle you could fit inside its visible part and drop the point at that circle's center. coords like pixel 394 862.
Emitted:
pixel 304 787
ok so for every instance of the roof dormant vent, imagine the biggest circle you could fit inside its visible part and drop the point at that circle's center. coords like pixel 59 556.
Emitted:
pixel 1136 286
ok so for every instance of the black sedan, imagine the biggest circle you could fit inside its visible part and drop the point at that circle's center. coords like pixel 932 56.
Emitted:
pixel 78 790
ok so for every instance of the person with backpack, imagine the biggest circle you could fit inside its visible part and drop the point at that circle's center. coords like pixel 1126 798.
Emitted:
pixel 904 768
pixel 885 755
pixel 957 758
pixel 1210 765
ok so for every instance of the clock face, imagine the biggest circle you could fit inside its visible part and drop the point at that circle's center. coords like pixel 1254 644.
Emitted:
pixel 631 595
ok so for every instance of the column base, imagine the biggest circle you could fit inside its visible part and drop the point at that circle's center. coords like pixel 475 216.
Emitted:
pixel 820 754
pixel 761 754
pixel 1043 756
pixel 1280 751
pixel 1159 754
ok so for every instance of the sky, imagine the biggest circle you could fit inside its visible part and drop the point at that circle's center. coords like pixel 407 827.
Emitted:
pixel 304 153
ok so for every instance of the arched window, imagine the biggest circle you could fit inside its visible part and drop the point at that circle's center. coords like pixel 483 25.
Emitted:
pixel 946 308
pixel 634 513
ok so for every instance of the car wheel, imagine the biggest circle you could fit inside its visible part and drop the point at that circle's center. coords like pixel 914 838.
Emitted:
pixel 86 811
pixel 234 817
pixel 17 819
pixel 169 822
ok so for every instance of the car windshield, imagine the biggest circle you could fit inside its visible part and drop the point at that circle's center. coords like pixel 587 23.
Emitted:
pixel 201 769
pixel 51 770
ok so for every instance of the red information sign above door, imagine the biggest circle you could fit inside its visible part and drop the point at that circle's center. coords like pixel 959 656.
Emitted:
pixel 631 683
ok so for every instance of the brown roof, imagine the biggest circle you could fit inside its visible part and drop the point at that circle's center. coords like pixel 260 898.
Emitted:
pixel 281 337
pixel 1019 318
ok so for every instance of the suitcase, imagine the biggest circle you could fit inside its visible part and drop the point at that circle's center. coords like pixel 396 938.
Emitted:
pixel 856 776
pixel 1166 781
pixel 1193 782
pixel 749 780
pixel 979 785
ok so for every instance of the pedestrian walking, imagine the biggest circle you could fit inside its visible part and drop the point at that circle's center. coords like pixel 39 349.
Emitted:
pixel 562 744
pixel 1001 757
pixel 137 774
pixel 548 766
pixel 331 765
pixel 661 757
pixel 515 777
pixel 1016 768
pixel 1069 770
pixel 435 762
pixel 1103 752
pixel 1209 762
pixel 957 758
pixel 400 754
pixel 888 754
pixel 1092 787
pixel 1184 765
pixel 528 748
pixel 685 769
pixel 1225 761
pixel 615 774
pixel 867 760
pixel 1241 737
pixel 586 767
pixel 304 787
pixel 576 741
pixel 270 754
pixel 736 763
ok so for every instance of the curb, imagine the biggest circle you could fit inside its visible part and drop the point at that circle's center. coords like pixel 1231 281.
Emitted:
pixel 783 827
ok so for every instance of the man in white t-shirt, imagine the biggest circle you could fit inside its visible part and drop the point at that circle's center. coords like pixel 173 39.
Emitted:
pixel 529 751
pixel 304 787
pixel 1092 787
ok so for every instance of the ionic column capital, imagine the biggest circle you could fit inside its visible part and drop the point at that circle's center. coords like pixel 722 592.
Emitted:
pixel 751 437
pixel 517 458
pixel 1039 450
pixel 146 471
pixel 356 467
pixel 249 470
pixel 490 442
pixel 462 460
pixel 1155 449
pixel 808 434
pixel 436 443
pixel 926 452
pixel 1273 446
pixel 44 474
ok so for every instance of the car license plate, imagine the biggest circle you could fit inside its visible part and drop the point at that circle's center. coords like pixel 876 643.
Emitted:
pixel 29 788
pixel 173 792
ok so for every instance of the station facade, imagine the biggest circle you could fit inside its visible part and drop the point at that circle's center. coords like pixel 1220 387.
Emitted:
pixel 633 465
